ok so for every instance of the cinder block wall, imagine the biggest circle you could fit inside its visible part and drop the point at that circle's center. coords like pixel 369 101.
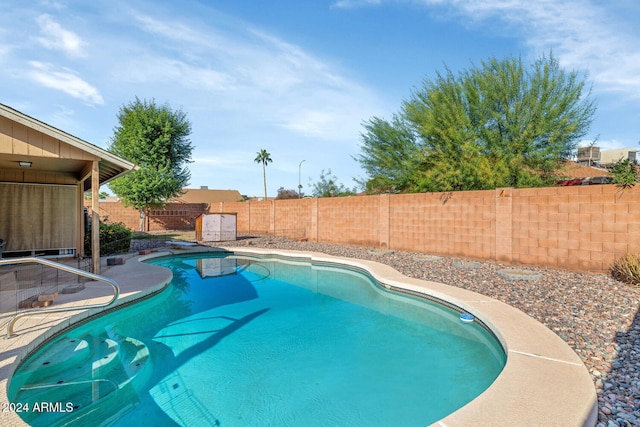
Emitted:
pixel 116 212
pixel 353 220
pixel 292 218
pixel 582 228
pixel 579 228
pixel 174 216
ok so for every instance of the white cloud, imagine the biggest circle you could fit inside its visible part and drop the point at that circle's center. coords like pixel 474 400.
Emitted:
pixel 226 159
pixel 64 80
pixel 57 38
pixel 582 34
pixel 273 83
pixel 605 144
pixel 349 4
pixel 158 69
pixel 52 4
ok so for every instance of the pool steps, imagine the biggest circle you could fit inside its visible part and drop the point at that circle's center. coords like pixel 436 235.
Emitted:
pixel 82 372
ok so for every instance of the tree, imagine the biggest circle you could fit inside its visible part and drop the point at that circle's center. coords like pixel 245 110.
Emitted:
pixel 284 194
pixel 328 186
pixel 389 155
pixel 625 173
pixel 102 195
pixel 497 125
pixel 265 158
pixel 155 138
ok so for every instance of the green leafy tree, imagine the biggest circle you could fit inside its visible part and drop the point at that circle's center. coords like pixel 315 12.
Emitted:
pixel 265 158
pixel 328 186
pixel 625 173
pixel 102 195
pixel 389 155
pixel 500 124
pixel 155 138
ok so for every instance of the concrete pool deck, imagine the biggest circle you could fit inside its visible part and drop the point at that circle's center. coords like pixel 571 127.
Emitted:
pixel 544 382
pixel 135 280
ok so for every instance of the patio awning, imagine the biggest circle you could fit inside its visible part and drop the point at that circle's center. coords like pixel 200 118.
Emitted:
pixel 110 165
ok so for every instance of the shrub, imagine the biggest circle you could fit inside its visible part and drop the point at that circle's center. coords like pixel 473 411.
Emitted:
pixel 627 269
pixel 625 174
pixel 115 238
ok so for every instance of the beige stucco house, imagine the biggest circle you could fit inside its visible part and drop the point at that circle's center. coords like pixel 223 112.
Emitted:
pixel 204 195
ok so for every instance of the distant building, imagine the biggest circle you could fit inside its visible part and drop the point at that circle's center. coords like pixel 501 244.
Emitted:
pixel 204 195
pixel 588 155
pixel 611 157
pixel 593 156
pixel 581 174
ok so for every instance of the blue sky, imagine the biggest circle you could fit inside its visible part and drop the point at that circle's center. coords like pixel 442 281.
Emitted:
pixel 296 78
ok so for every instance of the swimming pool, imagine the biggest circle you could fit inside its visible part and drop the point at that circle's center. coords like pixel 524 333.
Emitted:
pixel 238 340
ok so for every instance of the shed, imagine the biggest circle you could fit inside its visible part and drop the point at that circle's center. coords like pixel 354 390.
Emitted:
pixel 216 227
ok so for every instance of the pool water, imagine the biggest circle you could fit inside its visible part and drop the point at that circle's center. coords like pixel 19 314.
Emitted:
pixel 244 341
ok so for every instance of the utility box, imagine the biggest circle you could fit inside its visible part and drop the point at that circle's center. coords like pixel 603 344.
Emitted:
pixel 216 227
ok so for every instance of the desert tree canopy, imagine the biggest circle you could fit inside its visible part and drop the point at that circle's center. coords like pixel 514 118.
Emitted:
pixel 499 124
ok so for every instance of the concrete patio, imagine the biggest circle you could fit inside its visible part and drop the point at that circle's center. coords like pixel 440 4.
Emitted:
pixel 135 279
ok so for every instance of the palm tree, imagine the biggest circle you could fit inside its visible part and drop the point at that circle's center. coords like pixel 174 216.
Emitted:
pixel 265 158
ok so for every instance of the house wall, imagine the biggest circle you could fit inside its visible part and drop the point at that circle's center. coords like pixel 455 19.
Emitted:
pixel 18 140
pixel 582 228
pixel 35 177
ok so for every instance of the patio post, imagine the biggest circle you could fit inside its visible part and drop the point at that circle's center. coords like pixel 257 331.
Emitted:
pixel 95 218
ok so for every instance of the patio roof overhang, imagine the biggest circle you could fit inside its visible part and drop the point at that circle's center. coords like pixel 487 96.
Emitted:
pixel 35 153
pixel 110 165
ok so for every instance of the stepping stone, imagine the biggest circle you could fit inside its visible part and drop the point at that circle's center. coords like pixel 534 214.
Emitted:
pixel 39 304
pixel 428 258
pixel 35 301
pixel 467 264
pixel 519 274
pixel 72 289
pixel 28 302
pixel 380 252
pixel 47 297
pixel 115 261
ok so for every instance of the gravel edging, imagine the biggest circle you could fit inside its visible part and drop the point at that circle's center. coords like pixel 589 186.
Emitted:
pixel 595 314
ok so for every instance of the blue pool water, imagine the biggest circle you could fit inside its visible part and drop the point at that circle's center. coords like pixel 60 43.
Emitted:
pixel 243 341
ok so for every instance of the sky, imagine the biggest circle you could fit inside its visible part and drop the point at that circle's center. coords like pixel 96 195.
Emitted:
pixel 296 78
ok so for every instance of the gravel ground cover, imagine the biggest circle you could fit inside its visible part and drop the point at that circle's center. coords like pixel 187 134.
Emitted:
pixel 595 314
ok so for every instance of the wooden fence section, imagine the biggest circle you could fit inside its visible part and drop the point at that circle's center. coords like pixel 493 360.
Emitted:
pixel 578 228
pixel 174 216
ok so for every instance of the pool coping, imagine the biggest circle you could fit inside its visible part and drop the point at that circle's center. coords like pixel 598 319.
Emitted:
pixel 544 382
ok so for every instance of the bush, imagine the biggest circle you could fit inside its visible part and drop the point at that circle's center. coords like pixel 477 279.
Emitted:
pixel 115 238
pixel 625 173
pixel 627 269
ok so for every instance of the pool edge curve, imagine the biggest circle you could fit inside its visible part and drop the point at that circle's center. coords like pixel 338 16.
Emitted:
pixel 559 389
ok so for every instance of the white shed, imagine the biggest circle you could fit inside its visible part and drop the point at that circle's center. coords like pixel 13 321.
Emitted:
pixel 216 227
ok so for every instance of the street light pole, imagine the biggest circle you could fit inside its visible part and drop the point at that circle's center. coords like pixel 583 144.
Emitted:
pixel 299 184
